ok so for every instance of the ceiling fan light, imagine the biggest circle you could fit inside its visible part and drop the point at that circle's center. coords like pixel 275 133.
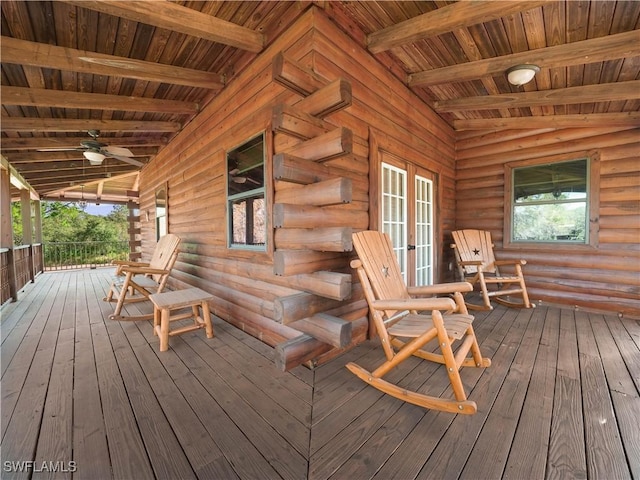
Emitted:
pixel 520 74
pixel 95 158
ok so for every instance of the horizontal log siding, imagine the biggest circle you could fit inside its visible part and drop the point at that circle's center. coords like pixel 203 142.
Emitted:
pixel 244 284
pixel 604 278
pixel 402 124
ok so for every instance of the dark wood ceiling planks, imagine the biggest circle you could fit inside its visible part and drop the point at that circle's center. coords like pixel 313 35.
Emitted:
pixel 139 71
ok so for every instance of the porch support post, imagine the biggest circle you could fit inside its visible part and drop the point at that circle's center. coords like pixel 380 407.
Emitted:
pixel 6 230
pixel 37 211
pixel 27 228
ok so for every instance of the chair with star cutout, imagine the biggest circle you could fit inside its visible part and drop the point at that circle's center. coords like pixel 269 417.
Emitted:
pixel 477 264
pixel 411 321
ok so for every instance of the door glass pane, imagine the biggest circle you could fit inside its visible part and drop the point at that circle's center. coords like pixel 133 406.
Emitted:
pixel 424 231
pixel 394 211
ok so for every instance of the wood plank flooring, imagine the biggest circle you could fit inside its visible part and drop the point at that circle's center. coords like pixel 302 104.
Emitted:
pixel 87 397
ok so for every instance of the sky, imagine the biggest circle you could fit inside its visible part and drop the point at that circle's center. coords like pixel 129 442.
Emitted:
pixel 102 209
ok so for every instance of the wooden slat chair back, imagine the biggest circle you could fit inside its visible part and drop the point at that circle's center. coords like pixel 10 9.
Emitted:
pixel 476 263
pixel 135 281
pixel 403 331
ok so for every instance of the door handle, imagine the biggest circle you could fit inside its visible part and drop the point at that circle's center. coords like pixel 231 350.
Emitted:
pixel 411 247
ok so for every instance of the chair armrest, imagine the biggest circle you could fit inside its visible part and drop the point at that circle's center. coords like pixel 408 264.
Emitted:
pixel 144 270
pixel 440 288
pixel 510 262
pixel 129 263
pixel 418 304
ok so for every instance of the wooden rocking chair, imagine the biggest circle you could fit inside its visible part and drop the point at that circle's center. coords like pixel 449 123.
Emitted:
pixel 135 281
pixel 477 264
pixel 395 315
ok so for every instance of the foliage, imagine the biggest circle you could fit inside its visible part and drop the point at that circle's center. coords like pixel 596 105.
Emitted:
pixel 64 222
pixel 548 221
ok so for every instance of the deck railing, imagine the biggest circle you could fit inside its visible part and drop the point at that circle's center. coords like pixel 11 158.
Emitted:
pixel 21 264
pixel 18 266
pixel 69 255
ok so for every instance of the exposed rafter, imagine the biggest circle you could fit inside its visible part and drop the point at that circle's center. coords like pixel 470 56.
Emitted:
pixel 73 142
pixel 578 53
pixel 443 20
pixel 62 58
pixel 17 124
pixel 606 92
pixel 63 99
pixel 63 156
pixel 181 19
pixel 623 119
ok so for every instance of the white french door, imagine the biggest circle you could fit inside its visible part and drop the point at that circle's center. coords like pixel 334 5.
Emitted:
pixel 407 215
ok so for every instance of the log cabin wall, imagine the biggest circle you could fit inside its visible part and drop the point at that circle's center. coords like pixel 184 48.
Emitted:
pixel 293 304
pixel 604 276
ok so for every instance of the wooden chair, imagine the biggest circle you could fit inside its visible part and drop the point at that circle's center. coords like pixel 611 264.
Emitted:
pixel 476 264
pixel 135 281
pixel 404 332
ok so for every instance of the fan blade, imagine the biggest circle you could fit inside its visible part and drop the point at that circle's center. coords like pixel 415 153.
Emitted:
pixel 60 150
pixel 125 152
pixel 129 160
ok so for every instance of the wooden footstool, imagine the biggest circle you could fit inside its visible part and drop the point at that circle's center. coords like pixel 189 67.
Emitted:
pixel 164 303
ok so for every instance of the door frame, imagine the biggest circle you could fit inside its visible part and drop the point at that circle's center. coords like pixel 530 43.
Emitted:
pixel 380 142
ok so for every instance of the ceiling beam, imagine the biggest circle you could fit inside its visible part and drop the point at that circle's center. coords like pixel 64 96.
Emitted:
pixel 64 156
pixel 97 101
pixel 594 50
pixel 607 92
pixel 180 19
pixel 73 142
pixel 28 124
pixel 58 166
pixel 23 52
pixel 443 20
pixel 622 119
pixel 49 182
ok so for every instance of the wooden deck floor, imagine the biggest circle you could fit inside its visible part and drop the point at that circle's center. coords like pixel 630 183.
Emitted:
pixel 94 398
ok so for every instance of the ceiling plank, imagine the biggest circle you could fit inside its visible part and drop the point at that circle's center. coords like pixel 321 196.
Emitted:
pixel 593 50
pixel 35 54
pixel 443 20
pixel 96 101
pixel 180 19
pixel 73 142
pixel 623 119
pixel 562 96
pixel 22 124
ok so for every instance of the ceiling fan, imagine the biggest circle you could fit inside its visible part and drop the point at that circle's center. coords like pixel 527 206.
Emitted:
pixel 96 151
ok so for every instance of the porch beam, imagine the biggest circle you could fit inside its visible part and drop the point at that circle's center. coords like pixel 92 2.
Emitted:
pixel 622 119
pixel 594 50
pixel 443 20
pixel 180 19
pixel 73 142
pixel 607 92
pixel 64 156
pixel 42 97
pixel 23 52
pixel 26 124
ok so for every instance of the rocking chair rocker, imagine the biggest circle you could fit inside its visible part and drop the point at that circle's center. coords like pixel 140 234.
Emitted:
pixel 395 315
pixel 135 281
pixel 477 264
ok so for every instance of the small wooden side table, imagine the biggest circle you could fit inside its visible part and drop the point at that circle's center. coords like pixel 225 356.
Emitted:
pixel 164 303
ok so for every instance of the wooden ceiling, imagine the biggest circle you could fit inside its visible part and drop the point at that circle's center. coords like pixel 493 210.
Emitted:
pixel 138 71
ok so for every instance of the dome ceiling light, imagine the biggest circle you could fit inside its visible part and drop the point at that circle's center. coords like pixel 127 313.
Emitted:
pixel 520 74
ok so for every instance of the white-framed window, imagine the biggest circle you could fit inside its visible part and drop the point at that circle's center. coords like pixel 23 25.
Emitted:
pixel 246 202
pixel 424 231
pixel 394 211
